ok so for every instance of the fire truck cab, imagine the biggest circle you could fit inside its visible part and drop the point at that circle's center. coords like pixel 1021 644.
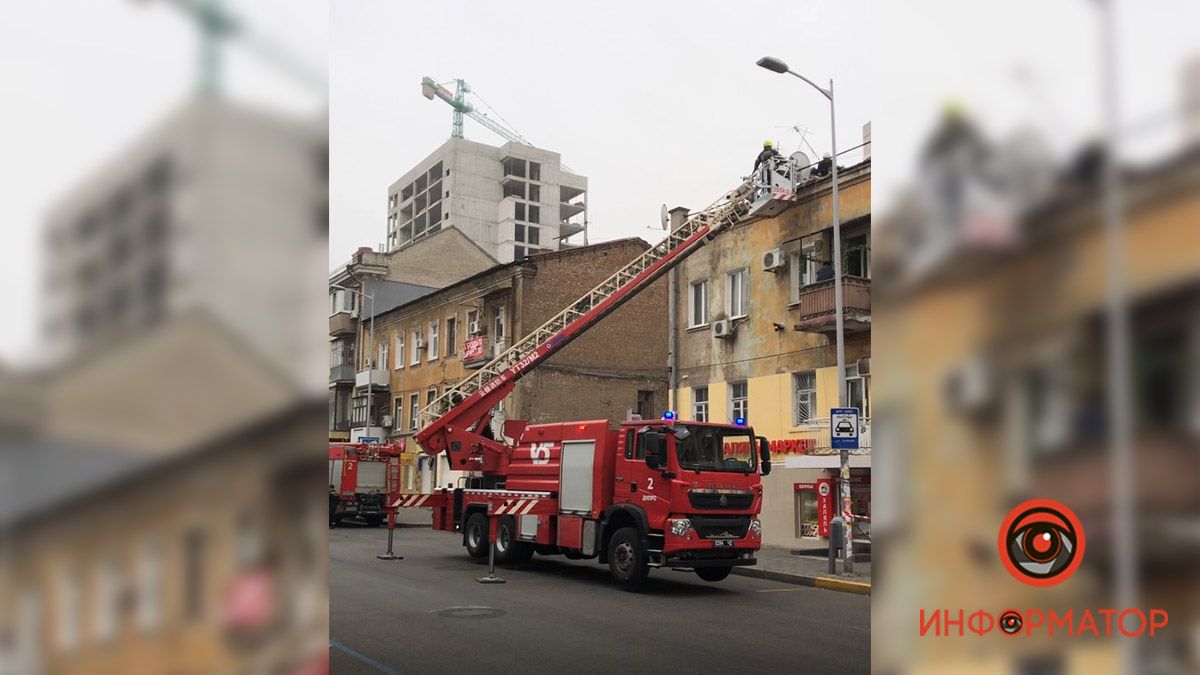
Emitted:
pixel 648 493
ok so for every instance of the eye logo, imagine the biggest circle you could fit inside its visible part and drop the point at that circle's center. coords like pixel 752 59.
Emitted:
pixel 1010 622
pixel 1041 542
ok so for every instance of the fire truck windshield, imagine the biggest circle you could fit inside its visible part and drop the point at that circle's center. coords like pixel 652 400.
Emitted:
pixel 708 448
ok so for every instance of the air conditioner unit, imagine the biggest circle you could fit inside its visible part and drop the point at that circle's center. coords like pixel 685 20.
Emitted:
pixel 386 421
pixel 475 328
pixel 723 329
pixel 420 343
pixel 773 260
pixel 864 366
pixel 969 388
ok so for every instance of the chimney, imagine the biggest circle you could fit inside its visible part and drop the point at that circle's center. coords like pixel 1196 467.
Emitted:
pixel 678 216
pixel 866 141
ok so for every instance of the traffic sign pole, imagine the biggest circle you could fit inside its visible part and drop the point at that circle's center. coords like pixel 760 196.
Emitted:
pixel 843 433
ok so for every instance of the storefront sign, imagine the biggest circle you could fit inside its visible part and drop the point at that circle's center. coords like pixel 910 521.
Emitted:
pixel 824 505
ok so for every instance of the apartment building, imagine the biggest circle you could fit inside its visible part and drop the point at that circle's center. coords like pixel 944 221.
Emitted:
pixel 440 338
pixel 754 338
pixel 374 282
pixel 513 200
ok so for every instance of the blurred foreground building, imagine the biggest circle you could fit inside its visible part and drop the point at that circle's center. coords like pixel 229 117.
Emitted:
pixel 993 381
pixel 164 512
pixel 754 331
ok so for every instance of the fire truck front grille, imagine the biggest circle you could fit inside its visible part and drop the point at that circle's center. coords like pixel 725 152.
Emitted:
pixel 702 499
pixel 721 527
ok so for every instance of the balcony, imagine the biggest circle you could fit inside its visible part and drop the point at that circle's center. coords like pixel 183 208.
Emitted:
pixel 375 377
pixel 569 229
pixel 341 373
pixel 815 306
pixel 342 323
pixel 568 210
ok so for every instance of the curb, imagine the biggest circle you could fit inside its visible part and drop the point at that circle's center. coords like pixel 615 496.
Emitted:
pixel 827 583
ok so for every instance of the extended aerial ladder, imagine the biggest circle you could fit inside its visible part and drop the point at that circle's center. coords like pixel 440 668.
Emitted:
pixel 457 422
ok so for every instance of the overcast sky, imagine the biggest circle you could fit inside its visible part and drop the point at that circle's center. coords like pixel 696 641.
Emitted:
pixel 653 102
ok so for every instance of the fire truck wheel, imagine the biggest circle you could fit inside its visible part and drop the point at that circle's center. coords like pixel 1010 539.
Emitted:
pixel 627 558
pixel 476 534
pixel 508 548
pixel 713 573
pixel 374 521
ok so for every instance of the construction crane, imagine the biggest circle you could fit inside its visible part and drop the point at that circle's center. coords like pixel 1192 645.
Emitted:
pixel 458 101
pixel 216 25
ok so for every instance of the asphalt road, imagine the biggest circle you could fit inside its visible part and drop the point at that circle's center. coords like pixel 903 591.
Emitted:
pixel 427 614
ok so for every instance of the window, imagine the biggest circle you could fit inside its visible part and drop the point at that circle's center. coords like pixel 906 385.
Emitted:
pixel 735 293
pixel 535 171
pixel 473 325
pixel 858 392
pixel 519 232
pixel 518 253
pixel 451 335
pixel 398 418
pixel 430 396
pixel 414 401
pixel 399 351
pixel 383 355
pixel 434 328
pixel 535 213
pixel 68 610
pixel 698 304
pixel 739 401
pixel 700 404
pixel 498 324
pixel 803 270
pixel 534 234
pixel 195 545
pixel 107 604
pixel 629 444
pixel 149 586
pixel 519 210
pixel 414 348
pixel 804 397
pixel 514 189
pixel 535 192
pixel 857 258
pixel 645 399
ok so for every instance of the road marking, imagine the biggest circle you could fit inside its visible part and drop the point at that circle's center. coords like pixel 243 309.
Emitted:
pixel 781 590
pixel 364 658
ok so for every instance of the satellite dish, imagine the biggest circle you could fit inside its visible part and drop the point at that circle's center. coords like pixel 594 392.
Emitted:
pixel 664 216
pixel 802 164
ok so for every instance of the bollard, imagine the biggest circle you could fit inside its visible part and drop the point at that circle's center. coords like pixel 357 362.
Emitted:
pixel 835 542
pixel 491 578
pixel 391 529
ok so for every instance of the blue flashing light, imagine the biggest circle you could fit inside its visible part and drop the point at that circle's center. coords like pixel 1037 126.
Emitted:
pixel 740 421
pixel 669 415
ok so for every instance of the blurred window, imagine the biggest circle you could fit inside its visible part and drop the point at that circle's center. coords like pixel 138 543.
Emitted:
pixel 149 585
pixel 736 293
pixel 414 402
pixel 698 304
pixel 107 599
pixel 451 335
pixel 195 552
pixel 535 171
pixel 857 257
pixel 858 391
pixel 399 351
pixel 68 610
pixel 739 400
pixel 433 351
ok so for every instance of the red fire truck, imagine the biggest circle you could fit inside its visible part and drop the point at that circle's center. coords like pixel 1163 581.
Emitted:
pixel 634 495
pixel 363 474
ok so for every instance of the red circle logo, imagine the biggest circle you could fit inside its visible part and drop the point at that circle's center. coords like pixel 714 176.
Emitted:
pixel 1041 542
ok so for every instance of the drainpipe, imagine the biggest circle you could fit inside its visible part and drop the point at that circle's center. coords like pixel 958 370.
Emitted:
pixel 678 216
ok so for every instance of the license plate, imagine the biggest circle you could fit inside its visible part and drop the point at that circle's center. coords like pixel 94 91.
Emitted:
pixel 722 543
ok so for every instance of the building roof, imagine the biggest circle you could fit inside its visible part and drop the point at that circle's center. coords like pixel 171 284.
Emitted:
pixel 531 260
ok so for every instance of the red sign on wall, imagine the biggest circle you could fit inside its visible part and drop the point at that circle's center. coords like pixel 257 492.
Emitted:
pixel 473 349
pixel 824 505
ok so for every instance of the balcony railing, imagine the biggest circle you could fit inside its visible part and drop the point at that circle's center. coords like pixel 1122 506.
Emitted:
pixel 342 323
pixel 816 307
pixel 376 377
pixel 341 373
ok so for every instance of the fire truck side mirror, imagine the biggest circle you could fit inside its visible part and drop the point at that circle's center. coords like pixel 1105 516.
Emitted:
pixel 764 454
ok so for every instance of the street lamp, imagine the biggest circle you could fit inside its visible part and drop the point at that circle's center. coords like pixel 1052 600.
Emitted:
pixel 370 354
pixel 777 66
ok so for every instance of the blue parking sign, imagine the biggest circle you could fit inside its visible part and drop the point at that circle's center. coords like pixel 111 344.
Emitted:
pixel 843 428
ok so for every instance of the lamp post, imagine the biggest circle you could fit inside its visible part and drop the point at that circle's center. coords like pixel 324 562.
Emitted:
pixel 371 338
pixel 777 66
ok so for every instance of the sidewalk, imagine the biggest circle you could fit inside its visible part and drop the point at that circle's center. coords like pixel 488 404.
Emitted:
pixel 779 564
